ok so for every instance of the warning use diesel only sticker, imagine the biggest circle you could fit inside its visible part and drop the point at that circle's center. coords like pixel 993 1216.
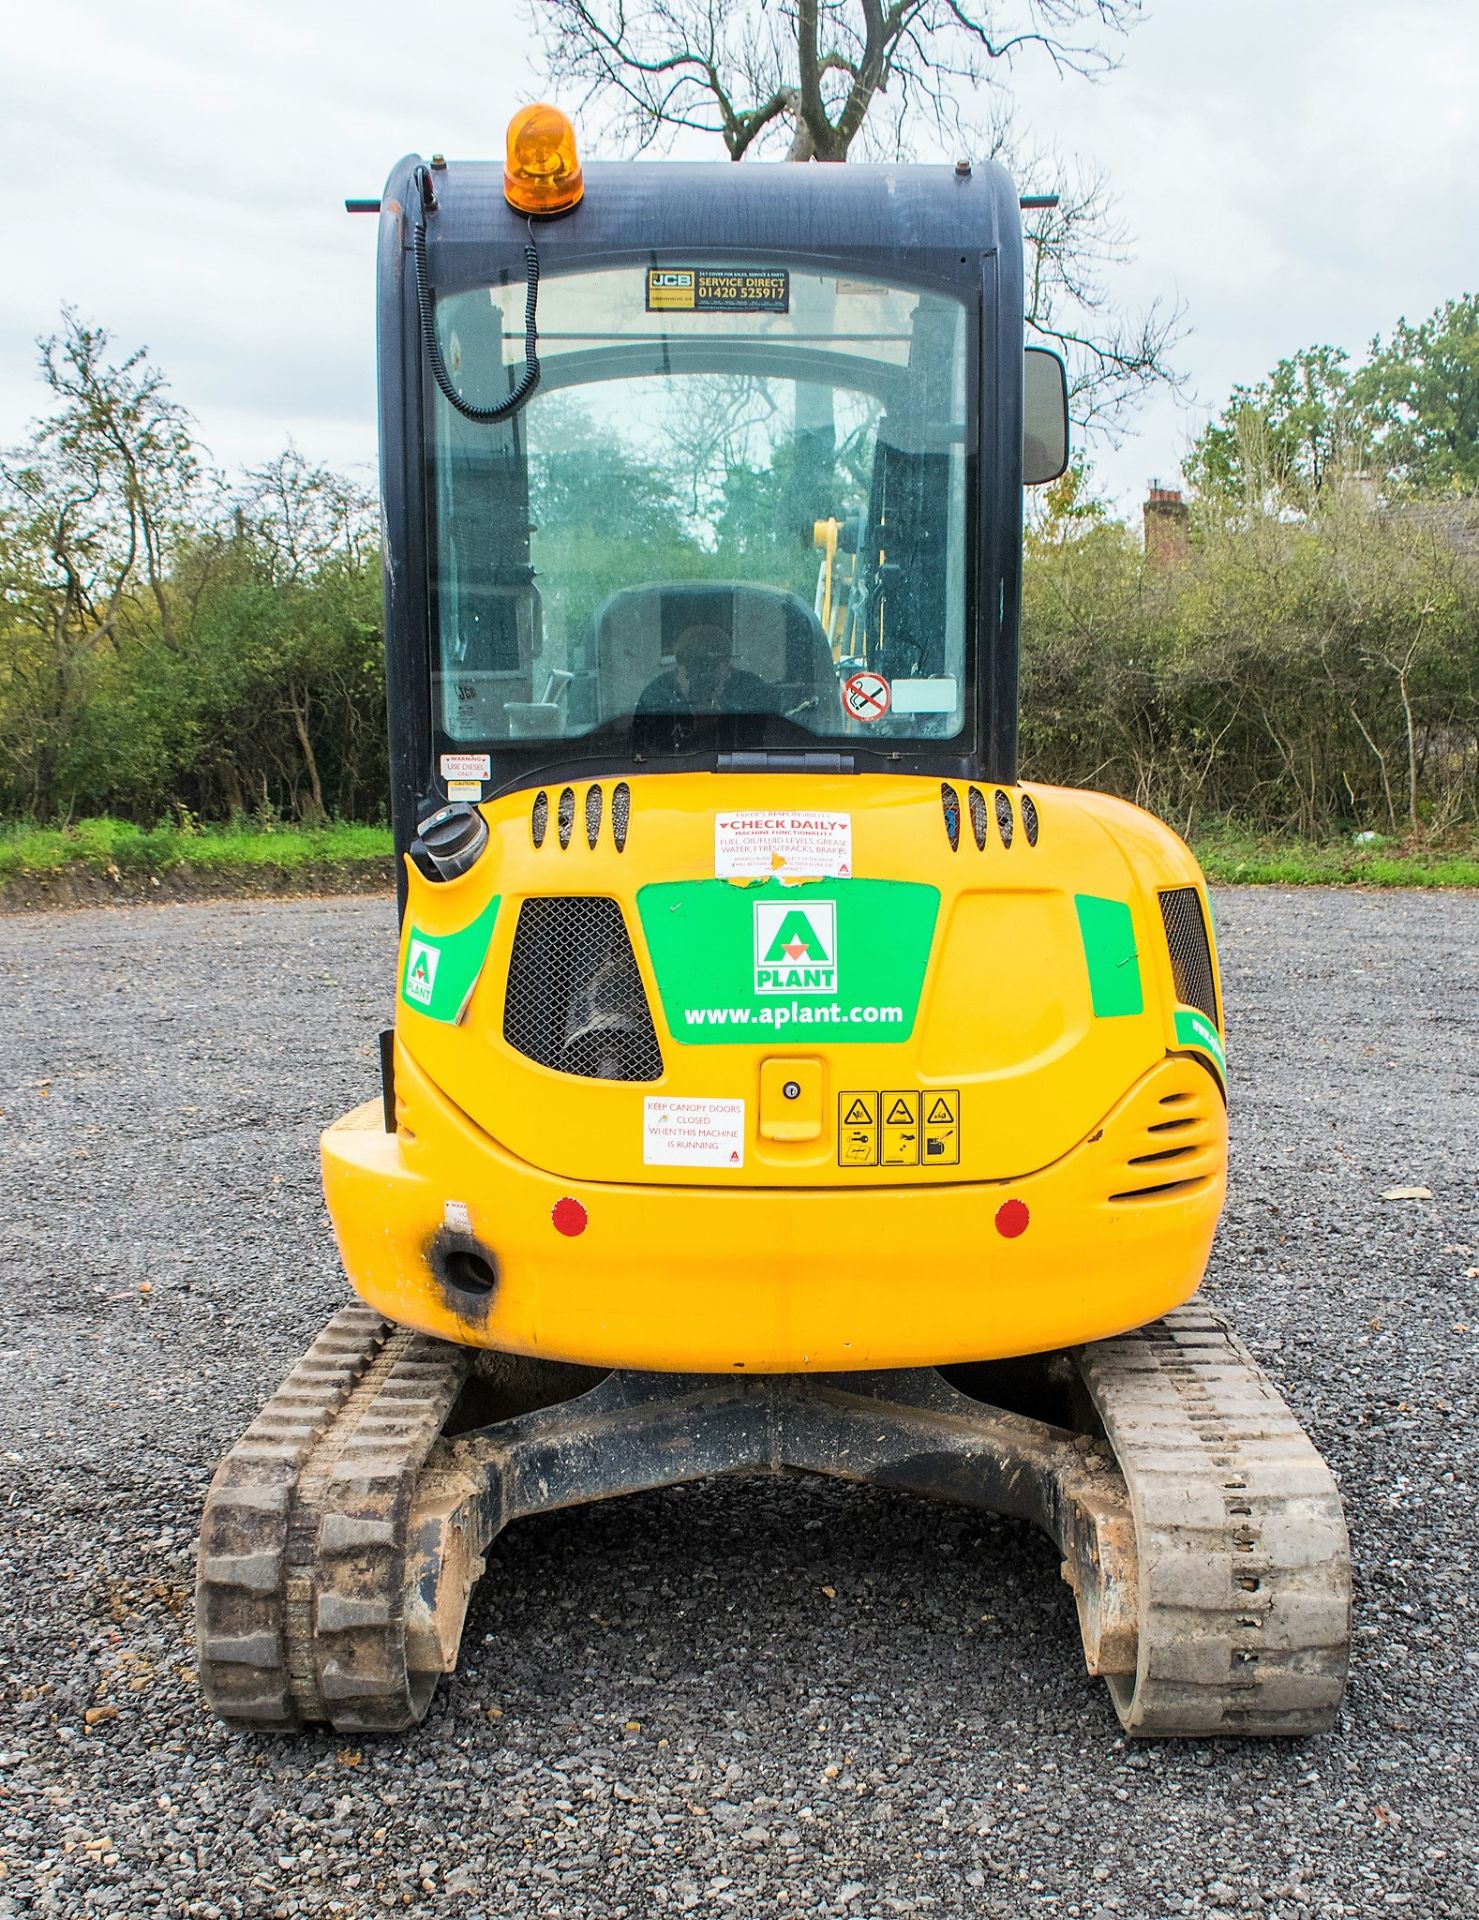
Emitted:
pixel 466 766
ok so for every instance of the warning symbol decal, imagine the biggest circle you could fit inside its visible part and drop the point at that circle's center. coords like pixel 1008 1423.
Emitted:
pixel 900 1130
pixel 857 1129
pixel 941 1135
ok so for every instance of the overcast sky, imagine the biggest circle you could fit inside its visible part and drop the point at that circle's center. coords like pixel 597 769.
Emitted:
pixel 1291 171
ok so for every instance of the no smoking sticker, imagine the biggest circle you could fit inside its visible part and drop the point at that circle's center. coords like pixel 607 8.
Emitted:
pixel 866 696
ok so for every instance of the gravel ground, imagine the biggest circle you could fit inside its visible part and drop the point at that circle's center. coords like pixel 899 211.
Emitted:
pixel 784 1698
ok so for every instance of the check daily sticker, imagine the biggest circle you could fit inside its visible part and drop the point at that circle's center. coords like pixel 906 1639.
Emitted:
pixel 784 843
pixel 693 1133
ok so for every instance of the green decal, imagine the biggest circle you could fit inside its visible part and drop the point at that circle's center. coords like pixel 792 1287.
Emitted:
pixel 442 969
pixel 795 947
pixel 835 960
pixel 1108 935
pixel 1196 1030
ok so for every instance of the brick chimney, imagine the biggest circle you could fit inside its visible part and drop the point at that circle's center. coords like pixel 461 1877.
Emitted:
pixel 1166 516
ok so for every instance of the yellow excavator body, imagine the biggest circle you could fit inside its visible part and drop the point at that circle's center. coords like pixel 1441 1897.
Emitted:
pixel 973 1119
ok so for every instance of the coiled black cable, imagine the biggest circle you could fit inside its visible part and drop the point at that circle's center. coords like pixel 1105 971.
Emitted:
pixel 426 308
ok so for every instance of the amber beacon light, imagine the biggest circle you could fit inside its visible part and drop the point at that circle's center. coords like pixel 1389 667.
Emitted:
pixel 542 173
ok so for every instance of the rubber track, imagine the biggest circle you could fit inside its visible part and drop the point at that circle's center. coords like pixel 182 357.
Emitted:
pixel 1245 1583
pixel 301 1583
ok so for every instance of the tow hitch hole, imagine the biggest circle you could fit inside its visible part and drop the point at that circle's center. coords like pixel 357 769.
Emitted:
pixel 466 1273
pixel 470 1272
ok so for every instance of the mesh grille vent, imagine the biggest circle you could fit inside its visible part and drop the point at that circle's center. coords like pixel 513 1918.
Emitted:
pixel 539 819
pixel 950 803
pixel 1191 957
pixel 566 816
pixel 575 1001
pixel 621 813
pixel 1029 819
pixel 1004 821
pixel 977 802
pixel 592 816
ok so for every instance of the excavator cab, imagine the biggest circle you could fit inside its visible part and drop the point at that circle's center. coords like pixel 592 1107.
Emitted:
pixel 777 1080
pixel 808 452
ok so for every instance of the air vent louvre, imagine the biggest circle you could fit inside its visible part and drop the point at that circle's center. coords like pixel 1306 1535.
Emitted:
pixel 1163 1154
pixel 592 816
pixel 979 817
pixel 1191 955
pixel 1165 1190
pixel 1029 819
pixel 539 819
pixel 1156 1166
pixel 575 1001
pixel 1004 820
pixel 950 805
pixel 621 814
pixel 566 816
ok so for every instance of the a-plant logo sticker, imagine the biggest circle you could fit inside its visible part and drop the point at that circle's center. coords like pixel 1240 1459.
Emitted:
pixel 795 946
pixel 421 972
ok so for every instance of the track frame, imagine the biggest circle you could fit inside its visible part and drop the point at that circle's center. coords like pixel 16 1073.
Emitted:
pixel 1197 1526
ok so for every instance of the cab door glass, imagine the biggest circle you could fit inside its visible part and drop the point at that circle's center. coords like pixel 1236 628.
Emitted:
pixel 721 524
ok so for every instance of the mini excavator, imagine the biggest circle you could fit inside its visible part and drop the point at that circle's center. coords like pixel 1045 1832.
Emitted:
pixel 778 1082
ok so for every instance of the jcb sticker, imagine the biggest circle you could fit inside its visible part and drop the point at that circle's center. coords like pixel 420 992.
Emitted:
pixel 718 290
pixel 669 290
pixel 898 1127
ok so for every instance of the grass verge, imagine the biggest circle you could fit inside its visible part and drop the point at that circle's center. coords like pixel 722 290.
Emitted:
pixel 116 848
pixel 127 856
pixel 1230 859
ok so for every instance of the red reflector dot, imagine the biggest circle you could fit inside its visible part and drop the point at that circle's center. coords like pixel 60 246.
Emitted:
pixel 569 1216
pixel 1011 1219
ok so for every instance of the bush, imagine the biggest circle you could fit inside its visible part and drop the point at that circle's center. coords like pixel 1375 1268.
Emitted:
pixel 1306 675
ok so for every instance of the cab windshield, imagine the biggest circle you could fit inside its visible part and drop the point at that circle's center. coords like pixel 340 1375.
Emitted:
pixel 732 517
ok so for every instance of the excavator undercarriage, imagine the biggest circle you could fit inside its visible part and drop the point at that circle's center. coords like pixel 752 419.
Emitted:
pixel 1199 1530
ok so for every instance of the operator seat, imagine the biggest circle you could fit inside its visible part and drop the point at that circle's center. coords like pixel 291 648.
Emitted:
pixel 772 633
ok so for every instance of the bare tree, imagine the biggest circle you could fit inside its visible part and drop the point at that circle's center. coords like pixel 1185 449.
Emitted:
pixel 812 75
pixel 303 517
pixel 823 79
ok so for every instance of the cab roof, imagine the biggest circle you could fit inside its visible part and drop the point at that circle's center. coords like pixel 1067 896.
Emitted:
pixel 918 221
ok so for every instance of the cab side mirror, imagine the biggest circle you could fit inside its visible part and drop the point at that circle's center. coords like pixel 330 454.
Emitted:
pixel 1044 416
